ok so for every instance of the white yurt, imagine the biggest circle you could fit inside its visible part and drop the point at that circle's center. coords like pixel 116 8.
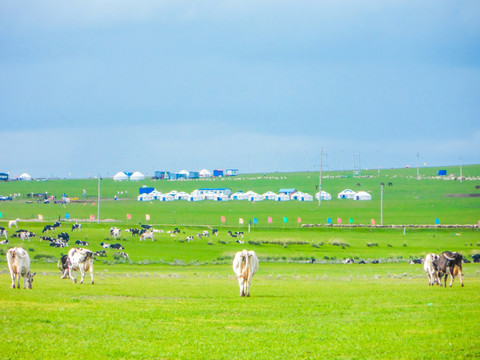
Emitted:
pixel 346 194
pixel 166 197
pixel 269 195
pixel 156 194
pixel 305 197
pixel 325 196
pixel 239 195
pixel 362 195
pixel 25 177
pixel 282 197
pixel 255 197
pixel 182 196
pixel 193 197
pixel 184 172
pixel 120 176
pixel 204 173
pixel 145 197
pixel 221 197
pixel 296 195
pixel 137 176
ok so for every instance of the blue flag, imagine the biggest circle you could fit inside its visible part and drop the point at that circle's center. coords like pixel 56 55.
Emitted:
pixel 67 216
pixel 255 220
pixel 329 221
pixel 437 221
pixel 285 219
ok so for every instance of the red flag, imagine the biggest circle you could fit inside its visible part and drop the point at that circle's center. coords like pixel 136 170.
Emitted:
pixel 299 220
pixel 339 220
pixel 147 217
pixel 373 221
pixel 223 218
pixel 92 217
pixel 269 220
pixel 129 217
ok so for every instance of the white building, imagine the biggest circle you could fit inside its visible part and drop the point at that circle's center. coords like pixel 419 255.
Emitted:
pixel 137 176
pixel 325 196
pixel 120 176
pixel 346 194
pixel 362 195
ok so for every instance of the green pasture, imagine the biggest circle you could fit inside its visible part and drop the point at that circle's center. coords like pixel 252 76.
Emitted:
pixel 407 201
pixel 296 311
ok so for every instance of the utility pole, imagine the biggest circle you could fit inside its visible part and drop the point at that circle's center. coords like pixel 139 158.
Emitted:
pixel 418 171
pixel 320 179
pixel 381 205
pixel 98 201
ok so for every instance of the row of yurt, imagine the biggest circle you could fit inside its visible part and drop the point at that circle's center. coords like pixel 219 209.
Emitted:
pixel 123 176
pixel 352 195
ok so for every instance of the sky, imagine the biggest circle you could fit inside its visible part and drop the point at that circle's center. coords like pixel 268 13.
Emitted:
pixel 100 86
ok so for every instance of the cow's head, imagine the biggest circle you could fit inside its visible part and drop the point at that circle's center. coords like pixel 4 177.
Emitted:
pixel 29 279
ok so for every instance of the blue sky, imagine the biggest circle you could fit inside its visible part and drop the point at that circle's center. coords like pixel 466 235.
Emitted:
pixel 90 87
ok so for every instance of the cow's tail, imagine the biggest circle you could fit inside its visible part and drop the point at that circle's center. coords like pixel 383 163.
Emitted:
pixel 245 269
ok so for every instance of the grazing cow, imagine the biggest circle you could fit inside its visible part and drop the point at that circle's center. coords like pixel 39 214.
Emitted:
pixel 24 235
pixel 101 253
pixel 76 227
pixel 362 262
pixel 205 233
pixel 4 242
pixel 146 227
pixel 115 232
pixel 348 261
pixel 240 241
pixel 133 231
pixel 81 243
pixel 105 245
pixel 147 235
pixel 46 238
pixel 121 255
pixel 189 238
pixel 62 264
pixel 199 235
pixel 232 234
pixel 79 259
pixel 12 223
pixel 3 232
pixel 476 258
pixel 375 262
pixel 390 184
pixel 245 265
pixel 416 261
pixel 176 231
pixel 47 228
pixel 430 267
pixel 116 246
pixel 58 243
pixel 19 265
pixel 450 263
pixel 57 224
pixel 215 232
pixel 358 184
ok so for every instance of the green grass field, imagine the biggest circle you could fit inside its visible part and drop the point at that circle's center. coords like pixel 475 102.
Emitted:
pixel 178 300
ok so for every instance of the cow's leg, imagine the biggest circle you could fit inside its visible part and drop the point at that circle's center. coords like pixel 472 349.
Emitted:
pixel 18 281
pixel 91 272
pixel 460 275
pixel 70 275
pixel 82 272
pixel 240 284
pixel 13 276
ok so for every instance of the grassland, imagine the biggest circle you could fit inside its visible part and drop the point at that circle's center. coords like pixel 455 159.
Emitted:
pixel 178 300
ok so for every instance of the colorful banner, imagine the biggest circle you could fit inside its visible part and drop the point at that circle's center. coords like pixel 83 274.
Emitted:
pixel 373 221
pixel 240 220
pixel 285 219
pixel 437 221
pixel 351 221
pixel 129 217
pixel 2 215
pixel 93 203
pixel 40 217
pixel 255 220
pixel 92 217
pixel 223 218
pixel 329 220
pixel 67 216
pixel 147 217
pixel 299 220
pixel 269 220
pixel 339 220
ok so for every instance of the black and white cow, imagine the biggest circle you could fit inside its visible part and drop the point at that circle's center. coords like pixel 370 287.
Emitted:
pixel 117 246
pixel 81 243
pixel 48 228
pixel 133 231
pixel 3 232
pixel 115 232
pixel 476 258
pixel 76 227
pixel 450 263
pixel 215 232
pixel 63 236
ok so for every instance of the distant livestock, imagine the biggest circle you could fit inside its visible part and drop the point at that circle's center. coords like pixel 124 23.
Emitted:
pixel 13 223
pixel 450 263
pixel 245 265
pixel 476 258
pixel 47 228
pixel 348 261
pixel 430 267
pixel 133 232
pixel 3 232
pixel 19 265
pixel 115 232
pixel 81 243
pixel 76 227
pixel 147 235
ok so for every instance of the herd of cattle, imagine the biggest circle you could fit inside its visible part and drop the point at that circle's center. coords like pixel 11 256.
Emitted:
pixel 245 263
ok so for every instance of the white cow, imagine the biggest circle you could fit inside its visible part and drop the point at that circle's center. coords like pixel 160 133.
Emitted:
pixel 115 232
pixel 245 265
pixel 13 222
pixel 79 259
pixel 431 269
pixel 19 265
pixel 147 235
